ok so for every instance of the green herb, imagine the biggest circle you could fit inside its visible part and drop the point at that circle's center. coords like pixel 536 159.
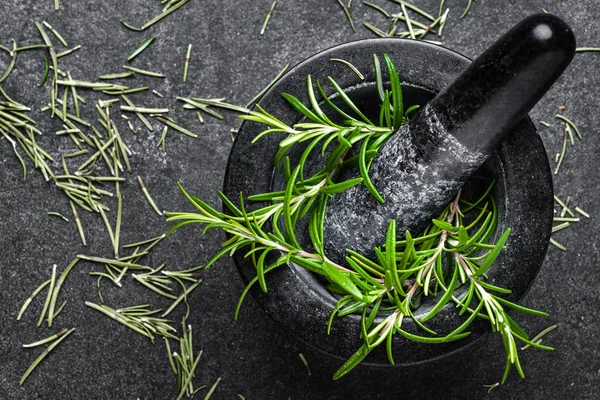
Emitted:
pixel 269 85
pixel 171 7
pixel 349 65
pixel 585 49
pixel 141 48
pixel 538 338
pixel 491 386
pixel 544 123
pixel 557 245
pixel 212 389
pixel 570 124
pixel 67 52
pixel 49 296
pixel 348 13
pixel 44 354
pixel 55 33
pixel 139 115
pixel 268 18
pixel 145 110
pixel 145 72
pixel 187 63
pixel 148 197
pixel 46 340
pixel 56 290
pixel 58 215
pixel 303 359
pixel 446 256
pixel 119 75
pixel 138 319
pixel 467 9
pixel 30 298
pixel 171 124
pixel 580 211
pixel 184 365
pixel 378 8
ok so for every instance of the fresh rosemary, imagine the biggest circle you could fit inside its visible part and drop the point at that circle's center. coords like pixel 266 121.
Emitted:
pixel 454 251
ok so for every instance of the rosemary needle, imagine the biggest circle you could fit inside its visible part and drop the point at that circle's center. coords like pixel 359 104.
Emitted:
pixel 148 197
pixel 305 362
pixel 145 72
pixel 145 110
pixel 539 336
pixel 56 290
pixel 580 211
pixel 346 9
pixel 44 354
pixel 46 340
pixel 268 18
pixel 585 49
pixel 55 33
pixel 78 223
pixel 30 298
pixel 141 48
pixel 164 14
pixel 58 215
pixel 49 296
pixel 349 65
pixel 558 245
pixel 212 389
pixel 186 65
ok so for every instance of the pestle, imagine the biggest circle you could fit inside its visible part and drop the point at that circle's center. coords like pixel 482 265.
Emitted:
pixel 423 165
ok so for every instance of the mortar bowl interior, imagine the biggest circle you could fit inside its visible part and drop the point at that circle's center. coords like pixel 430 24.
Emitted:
pixel 523 192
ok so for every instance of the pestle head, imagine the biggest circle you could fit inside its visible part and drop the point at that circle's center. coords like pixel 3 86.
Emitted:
pixel 422 167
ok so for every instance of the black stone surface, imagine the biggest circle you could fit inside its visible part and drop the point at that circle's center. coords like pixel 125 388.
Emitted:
pixel 103 360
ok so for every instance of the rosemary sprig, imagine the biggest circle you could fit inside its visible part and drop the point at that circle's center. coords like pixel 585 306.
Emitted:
pixel 454 251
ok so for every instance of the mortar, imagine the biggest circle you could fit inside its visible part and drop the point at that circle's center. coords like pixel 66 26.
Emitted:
pixel 297 299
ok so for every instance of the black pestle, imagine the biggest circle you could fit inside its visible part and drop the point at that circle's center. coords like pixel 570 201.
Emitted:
pixel 423 166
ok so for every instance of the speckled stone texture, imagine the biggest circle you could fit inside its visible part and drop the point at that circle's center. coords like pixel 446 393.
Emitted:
pixel 103 360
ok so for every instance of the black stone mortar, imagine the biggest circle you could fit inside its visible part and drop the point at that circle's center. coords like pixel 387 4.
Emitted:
pixel 298 299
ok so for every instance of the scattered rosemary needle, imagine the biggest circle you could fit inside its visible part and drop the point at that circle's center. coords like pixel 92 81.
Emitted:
pixel 268 18
pixel 349 65
pixel 305 362
pixel 49 296
pixel 186 64
pixel 539 336
pixel 46 340
pixel 148 197
pixel 212 389
pixel 557 245
pixel 44 354
pixel 31 297
pixel 55 33
pixel 58 215
pixel 78 223
pixel 491 386
pixel 348 13
pixel 141 48
pixel 118 75
pixel 586 49
pixel 580 211
pixel 145 110
pixel 145 72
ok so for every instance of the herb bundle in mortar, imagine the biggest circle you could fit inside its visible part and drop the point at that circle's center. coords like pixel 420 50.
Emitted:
pixel 453 252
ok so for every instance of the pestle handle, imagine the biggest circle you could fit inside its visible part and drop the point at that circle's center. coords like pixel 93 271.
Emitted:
pixel 504 83
pixel 423 165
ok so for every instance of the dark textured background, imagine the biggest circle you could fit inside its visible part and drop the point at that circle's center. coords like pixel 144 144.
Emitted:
pixel 254 357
